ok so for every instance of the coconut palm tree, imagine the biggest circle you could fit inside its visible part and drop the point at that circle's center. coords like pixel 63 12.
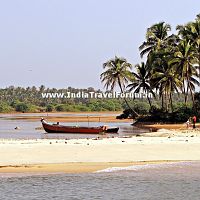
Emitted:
pixel 191 32
pixel 141 81
pixel 117 73
pixel 167 80
pixel 184 61
pixel 156 38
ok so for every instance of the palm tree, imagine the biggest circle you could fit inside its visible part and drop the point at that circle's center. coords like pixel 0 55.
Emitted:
pixel 191 32
pixel 156 38
pixel 184 61
pixel 117 72
pixel 141 81
pixel 168 82
pixel 42 88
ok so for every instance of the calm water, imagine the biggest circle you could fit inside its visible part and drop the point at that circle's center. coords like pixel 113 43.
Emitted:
pixel 33 129
pixel 151 182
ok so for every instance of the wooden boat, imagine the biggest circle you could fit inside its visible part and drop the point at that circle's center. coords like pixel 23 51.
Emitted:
pixel 57 128
pixel 112 129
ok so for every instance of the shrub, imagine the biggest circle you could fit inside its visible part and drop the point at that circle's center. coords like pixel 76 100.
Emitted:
pixel 182 114
pixel 21 107
pixel 155 110
pixel 60 108
pixel 141 108
pixel 126 114
pixel 4 108
pixel 49 108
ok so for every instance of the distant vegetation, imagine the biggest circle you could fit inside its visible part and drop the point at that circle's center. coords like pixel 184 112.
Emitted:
pixel 30 100
pixel 19 99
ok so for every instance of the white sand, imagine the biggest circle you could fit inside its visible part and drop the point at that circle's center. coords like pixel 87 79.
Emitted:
pixel 179 147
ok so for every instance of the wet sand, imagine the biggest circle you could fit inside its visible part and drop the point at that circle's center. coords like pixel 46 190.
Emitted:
pixel 71 167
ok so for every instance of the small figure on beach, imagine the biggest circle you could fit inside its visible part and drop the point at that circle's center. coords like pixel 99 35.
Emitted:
pixel 194 119
pixel 188 123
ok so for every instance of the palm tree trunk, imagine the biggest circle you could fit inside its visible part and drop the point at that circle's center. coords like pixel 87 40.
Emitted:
pixel 149 100
pixel 120 86
pixel 190 88
pixel 185 97
pixel 170 97
pixel 166 101
pixel 162 98
pixel 192 95
pixel 199 62
pixel 186 94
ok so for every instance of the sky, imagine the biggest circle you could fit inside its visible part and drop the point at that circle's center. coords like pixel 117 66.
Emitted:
pixel 61 43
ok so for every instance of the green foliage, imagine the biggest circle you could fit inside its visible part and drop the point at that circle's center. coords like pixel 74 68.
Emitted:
pixel 50 108
pixel 141 108
pixel 103 105
pixel 127 113
pixel 82 108
pixel 172 62
pixel 4 107
pixel 179 105
pixel 155 110
pixel 30 100
pixel 23 107
pixel 182 114
pixel 61 107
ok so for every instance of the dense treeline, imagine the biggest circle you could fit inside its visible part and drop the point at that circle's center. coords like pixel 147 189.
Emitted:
pixel 30 100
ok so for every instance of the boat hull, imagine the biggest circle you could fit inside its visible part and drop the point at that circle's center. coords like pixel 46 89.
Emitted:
pixel 56 128
pixel 112 130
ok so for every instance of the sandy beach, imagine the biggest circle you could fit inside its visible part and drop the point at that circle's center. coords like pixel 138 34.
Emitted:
pixel 89 155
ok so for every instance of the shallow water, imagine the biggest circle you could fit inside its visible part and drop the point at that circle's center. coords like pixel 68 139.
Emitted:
pixel 165 181
pixel 29 129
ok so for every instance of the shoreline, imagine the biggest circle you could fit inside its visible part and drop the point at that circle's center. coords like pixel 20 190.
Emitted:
pixel 71 167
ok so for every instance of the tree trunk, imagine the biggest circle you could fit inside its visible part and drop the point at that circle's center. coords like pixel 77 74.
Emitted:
pixel 170 96
pixel 184 92
pixel 166 101
pixel 192 96
pixel 126 100
pixel 162 98
pixel 149 100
